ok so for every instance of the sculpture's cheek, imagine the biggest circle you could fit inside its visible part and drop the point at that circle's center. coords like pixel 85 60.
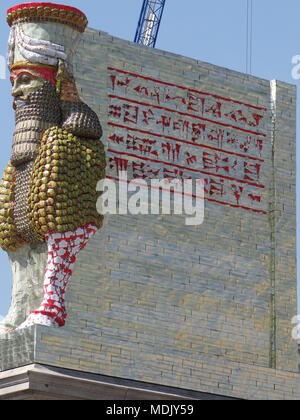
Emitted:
pixel 25 89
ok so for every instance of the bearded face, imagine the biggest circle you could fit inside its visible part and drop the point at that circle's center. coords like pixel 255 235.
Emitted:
pixel 37 108
pixel 23 83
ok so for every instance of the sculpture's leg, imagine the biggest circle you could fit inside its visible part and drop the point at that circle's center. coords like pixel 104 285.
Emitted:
pixel 62 253
pixel 28 269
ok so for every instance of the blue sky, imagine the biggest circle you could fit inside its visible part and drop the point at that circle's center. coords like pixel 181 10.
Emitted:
pixel 213 31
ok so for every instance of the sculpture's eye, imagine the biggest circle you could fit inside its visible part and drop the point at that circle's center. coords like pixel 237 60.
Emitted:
pixel 12 81
pixel 25 79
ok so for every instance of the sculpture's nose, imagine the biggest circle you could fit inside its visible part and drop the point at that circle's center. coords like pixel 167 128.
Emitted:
pixel 16 91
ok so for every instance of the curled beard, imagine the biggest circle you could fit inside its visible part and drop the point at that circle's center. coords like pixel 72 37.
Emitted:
pixel 33 117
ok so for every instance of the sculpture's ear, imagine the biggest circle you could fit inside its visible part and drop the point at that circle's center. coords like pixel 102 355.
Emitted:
pixel 80 120
pixel 77 117
pixel 65 83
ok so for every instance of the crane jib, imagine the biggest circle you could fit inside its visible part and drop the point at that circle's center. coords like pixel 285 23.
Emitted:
pixel 149 22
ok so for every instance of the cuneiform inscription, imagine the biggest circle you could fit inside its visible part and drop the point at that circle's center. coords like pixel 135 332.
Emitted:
pixel 206 105
pixel 188 128
pixel 218 190
pixel 200 159
pixel 154 139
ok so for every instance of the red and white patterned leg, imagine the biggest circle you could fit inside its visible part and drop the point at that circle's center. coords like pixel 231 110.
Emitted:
pixel 62 253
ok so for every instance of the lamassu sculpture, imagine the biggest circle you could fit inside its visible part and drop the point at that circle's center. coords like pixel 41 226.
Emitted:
pixel 48 191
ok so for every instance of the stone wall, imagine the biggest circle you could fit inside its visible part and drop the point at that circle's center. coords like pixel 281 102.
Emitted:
pixel 226 288
pixel 216 377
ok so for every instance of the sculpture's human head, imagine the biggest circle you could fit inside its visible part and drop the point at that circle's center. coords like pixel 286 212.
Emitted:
pixel 42 43
pixel 24 81
pixel 41 36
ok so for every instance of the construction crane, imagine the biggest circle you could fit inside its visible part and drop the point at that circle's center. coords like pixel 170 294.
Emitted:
pixel 249 36
pixel 149 22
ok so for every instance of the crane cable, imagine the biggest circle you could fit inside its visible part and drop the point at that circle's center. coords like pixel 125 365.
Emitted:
pixel 249 37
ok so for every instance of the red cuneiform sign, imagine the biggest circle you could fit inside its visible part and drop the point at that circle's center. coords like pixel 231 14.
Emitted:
pixel 161 130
